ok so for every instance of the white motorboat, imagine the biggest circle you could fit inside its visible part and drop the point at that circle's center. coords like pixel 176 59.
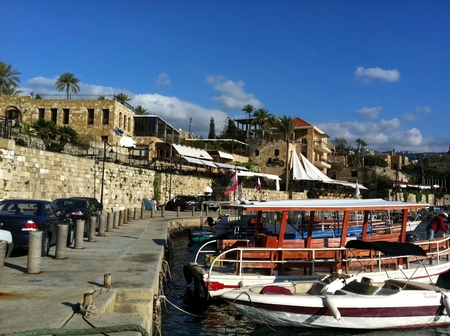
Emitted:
pixel 349 302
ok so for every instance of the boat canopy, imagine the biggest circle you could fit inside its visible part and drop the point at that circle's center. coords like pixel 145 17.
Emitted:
pixel 388 248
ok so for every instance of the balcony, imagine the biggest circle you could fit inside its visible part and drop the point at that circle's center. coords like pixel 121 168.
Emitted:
pixel 322 164
pixel 322 147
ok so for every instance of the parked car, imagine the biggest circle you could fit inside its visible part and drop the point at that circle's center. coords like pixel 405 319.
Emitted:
pixel 7 237
pixel 20 216
pixel 79 208
pixel 94 202
pixel 208 201
pixel 184 202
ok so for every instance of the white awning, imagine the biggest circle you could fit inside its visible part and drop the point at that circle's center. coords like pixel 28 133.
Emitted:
pixel 226 155
pixel 192 152
pixel 208 163
pixel 229 166
pixel 199 162
pixel 127 142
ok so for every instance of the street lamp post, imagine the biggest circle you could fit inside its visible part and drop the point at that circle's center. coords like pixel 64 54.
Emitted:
pixel 103 172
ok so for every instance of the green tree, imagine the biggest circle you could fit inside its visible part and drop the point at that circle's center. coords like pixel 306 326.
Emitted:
pixel 249 109
pixel 212 129
pixel 46 130
pixel 101 97
pixel 230 130
pixel 67 81
pixel 140 110
pixel 10 90
pixel 286 125
pixel 8 76
pixel 122 98
pixel 361 146
pixel 66 134
pixel 261 117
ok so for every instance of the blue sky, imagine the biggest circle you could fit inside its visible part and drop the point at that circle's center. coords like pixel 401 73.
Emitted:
pixel 375 70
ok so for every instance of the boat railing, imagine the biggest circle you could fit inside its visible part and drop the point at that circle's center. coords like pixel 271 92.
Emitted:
pixel 280 260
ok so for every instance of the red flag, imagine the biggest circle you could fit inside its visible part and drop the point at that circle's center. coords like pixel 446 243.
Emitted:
pixel 258 186
pixel 233 184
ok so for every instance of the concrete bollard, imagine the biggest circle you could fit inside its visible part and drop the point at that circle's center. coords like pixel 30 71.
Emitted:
pixel 87 301
pixel 79 234
pixel 107 280
pixel 163 212
pixel 193 211
pixel 102 225
pixel 178 211
pixel 220 211
pixel 142 212
pixel 125 216
pixel 110 222
pixel 92 228
pixel 3 248
pixel 34 252
pixel 206 210
pixel 152 212
pixel 116 219
pixel 121 213
pixel 130 215
pixel 135 213
pixel 61 241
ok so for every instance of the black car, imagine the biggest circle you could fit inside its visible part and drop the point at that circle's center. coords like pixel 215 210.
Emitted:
pixel 184 202
pixel 209 201
pixel 20 216
pixel 79 208
pixel 97 205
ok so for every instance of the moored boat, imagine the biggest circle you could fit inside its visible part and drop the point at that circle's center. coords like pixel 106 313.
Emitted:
pixel 349 302
pixel 225 264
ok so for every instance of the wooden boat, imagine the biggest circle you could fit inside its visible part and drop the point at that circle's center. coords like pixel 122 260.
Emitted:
pixel 349 302
pixel 225 264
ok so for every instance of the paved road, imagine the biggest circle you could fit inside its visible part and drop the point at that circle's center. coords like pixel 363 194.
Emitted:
pixel 132 254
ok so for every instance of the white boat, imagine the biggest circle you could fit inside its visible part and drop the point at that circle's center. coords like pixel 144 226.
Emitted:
pixel 349 302
pixel 226 264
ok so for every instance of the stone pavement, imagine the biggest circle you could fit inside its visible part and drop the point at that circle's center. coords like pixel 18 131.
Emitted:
pixel 132 254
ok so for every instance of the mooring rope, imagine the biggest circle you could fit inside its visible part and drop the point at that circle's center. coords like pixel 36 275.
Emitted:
pixel 93 331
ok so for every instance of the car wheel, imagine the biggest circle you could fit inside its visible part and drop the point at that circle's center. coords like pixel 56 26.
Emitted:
pixel 46 240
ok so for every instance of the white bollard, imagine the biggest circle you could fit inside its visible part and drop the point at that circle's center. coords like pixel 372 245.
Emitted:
pixel 34 252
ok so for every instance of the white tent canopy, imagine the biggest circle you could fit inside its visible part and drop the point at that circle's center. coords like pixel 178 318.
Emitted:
pixel 269 176
pixel 305 170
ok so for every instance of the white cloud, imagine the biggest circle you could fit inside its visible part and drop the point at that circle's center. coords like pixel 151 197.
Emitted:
pixel 233 95
pixel 385 135
pixel 417 113
pixel 163 79
pixel 369 112
pixel 178 112
pixel 367 76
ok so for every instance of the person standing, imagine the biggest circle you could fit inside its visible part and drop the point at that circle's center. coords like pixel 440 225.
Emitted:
pixel 437 224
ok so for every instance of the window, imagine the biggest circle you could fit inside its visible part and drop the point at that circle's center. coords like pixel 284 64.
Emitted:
pixel 304 141
pixel 105 117
pixel 120 120
pixel 124 122
pixel 90 116
pixel 277 152
pixel 66 116
pixel 54 115
pixel 41 113
pixel 354 173
pixel 256 152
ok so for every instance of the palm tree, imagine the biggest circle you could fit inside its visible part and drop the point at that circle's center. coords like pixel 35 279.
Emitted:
pixel 140 110
pixel 101 97
pixel 361 146
pixel 249 109
pixel 67 134
pixel 67 81
pixel 46 130
pixel 8 76
pixel 286 125
pixel 10 90
pixel 261 117
pixel 122 98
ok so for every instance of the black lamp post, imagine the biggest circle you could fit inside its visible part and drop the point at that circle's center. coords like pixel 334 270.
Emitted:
pixel 103 172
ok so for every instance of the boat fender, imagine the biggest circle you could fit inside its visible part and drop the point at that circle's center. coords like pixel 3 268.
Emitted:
pixel 332 307
pixel 187 274
pixel 446 302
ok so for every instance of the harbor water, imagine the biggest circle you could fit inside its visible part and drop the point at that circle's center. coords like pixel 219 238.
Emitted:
pixel 183 315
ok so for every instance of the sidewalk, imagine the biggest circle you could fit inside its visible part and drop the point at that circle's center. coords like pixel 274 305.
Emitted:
pixel 132 254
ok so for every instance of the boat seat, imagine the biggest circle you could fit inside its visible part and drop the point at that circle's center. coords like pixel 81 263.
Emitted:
pixel 317 288
pixel 367 281
pixel 275 290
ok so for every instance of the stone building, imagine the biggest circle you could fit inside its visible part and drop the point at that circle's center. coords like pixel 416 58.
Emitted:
pixel 307 139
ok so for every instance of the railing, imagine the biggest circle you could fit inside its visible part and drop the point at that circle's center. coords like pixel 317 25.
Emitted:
pixel 275 259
